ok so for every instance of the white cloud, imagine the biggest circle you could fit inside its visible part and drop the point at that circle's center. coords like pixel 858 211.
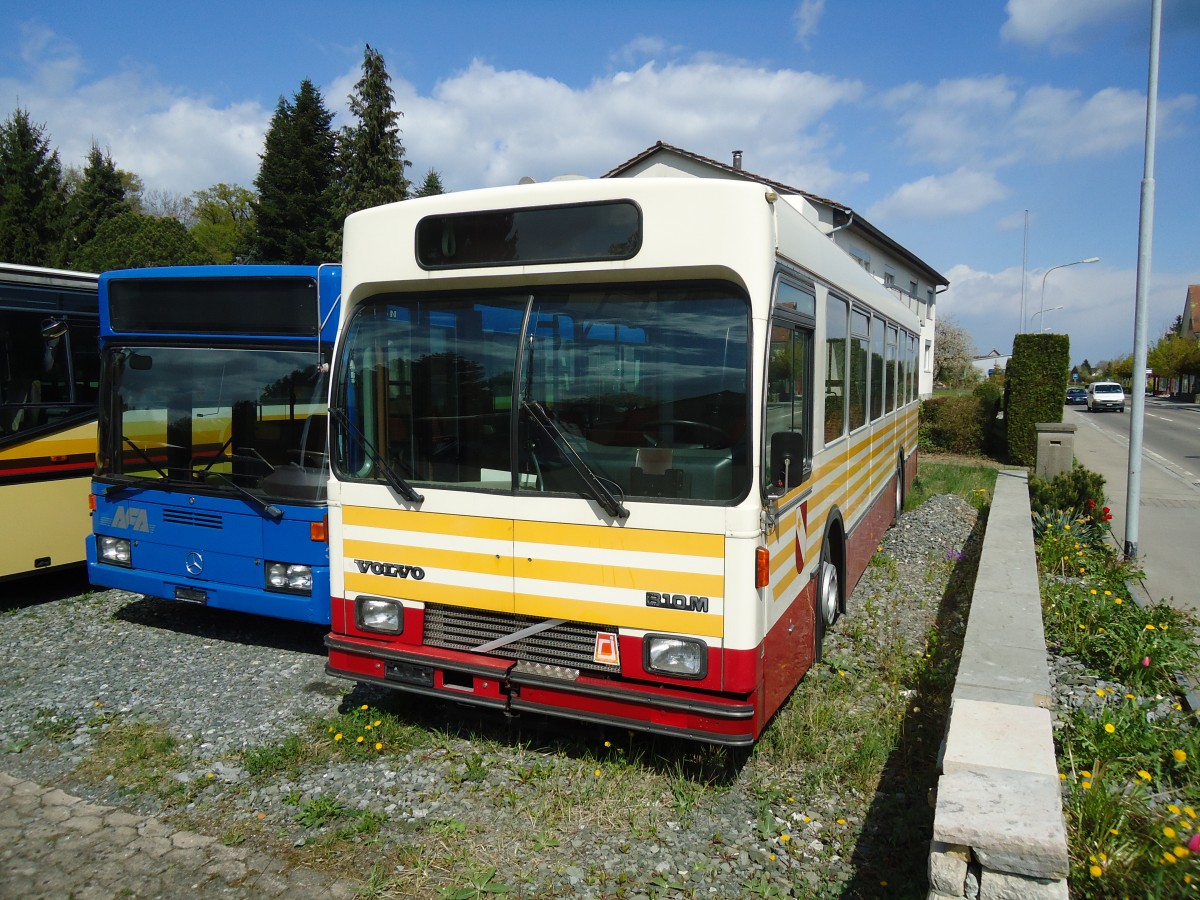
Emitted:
pixel 1065 26
pixel 807 18
pixel 939 196
pixel 484 126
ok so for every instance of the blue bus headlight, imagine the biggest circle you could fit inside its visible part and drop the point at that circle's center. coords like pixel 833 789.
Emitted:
pixel 288 577
pixel 113 550
pixel 379 614
pixel 680 657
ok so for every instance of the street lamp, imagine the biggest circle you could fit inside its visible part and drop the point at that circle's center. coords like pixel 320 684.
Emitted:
pixel 1090 259
pixel 1040 311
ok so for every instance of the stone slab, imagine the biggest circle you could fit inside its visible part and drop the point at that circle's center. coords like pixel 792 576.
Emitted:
pixel 1019 671
pixel 1012 821
pixel 999 736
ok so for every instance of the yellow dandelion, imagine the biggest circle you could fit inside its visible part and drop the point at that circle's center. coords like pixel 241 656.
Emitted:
pixel 331 729
pixel 1189 812
pixel 1110 727
pixel 365 706
pixel 1168 831
pixel 608 743
pixel 366 728
pixel 1086 774
pixel 1093 592
pixel 1180 755
pixel 1149 626
pixel 1108 593
pixel 807 819
pixel 597 773
pixel 1143 774
pixel 1087 785
pixel 1082 570
pixel 338 736
pixel 377 722
pixel 1130 697
pixel 1114 831
pixel 1173 809
pixel 1062 776
pixel 1181 852
pixel 1169 857
pixel 1100 692
pixel 359 739
pixel 1096 871
pixel 378 745
pixel 771 857
pixel 841 821
pixel 210 775
pixel 1118 601
pixel 1066 528
pixel 785 837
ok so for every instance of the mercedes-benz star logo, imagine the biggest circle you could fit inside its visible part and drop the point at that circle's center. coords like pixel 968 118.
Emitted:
pixel 194 562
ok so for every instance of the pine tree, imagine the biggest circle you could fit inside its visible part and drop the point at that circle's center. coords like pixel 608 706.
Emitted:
pixel 32 199
pixel 295 212
pixel 98 196
pixel 370 154
pixel 431 185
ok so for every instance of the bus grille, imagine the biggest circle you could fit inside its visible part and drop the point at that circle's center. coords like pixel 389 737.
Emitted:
pixel 191 517
pixel 569 644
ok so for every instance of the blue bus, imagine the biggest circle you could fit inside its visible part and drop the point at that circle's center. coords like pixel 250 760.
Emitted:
pixel 211 465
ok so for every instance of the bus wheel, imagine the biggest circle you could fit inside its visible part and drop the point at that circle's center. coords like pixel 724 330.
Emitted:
pixel 828 598
pixel 899 491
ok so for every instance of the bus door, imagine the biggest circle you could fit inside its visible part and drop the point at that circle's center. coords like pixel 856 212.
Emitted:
pixel 789 617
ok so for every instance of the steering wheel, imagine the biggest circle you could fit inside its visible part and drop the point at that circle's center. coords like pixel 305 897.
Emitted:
pixel 716 437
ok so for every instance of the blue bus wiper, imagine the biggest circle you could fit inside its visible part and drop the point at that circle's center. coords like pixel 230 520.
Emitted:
pixel 596 488
pixel 395 482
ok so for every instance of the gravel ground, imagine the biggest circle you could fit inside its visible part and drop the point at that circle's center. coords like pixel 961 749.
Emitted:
pixel 478 802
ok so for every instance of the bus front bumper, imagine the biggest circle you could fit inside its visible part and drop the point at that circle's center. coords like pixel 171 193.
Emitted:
pixel 511 687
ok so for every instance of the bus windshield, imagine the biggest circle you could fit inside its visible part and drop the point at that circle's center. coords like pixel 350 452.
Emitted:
pixel 231 420
pixel 606 392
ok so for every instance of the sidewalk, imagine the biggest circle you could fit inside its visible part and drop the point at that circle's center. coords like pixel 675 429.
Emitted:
pixel 55 845
pixel 1168 516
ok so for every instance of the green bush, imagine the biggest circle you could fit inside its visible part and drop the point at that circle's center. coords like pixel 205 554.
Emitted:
pixel 1079 490
pixel 1034 387
pixel 959 424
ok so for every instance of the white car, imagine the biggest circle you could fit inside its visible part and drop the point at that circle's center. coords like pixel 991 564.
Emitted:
pixel 1105 395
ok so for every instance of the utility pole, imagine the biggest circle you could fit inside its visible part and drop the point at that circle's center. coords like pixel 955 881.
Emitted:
pixel 1137 407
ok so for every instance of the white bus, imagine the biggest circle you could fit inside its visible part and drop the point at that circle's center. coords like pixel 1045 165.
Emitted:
pixel 615 450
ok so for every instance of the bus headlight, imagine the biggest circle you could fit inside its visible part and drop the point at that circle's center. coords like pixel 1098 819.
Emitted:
pixel 113 550
pixel 680 657
pixel 288 577
pixel 378 614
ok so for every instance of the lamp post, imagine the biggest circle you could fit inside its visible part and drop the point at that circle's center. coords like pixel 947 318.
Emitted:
pixel 1042 305
pixel 1040 311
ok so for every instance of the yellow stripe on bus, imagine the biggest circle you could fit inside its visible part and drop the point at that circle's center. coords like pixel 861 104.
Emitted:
pixel 432 523
pixel 428 592
pixel 430 558
pixel 613 575
pixel 681 543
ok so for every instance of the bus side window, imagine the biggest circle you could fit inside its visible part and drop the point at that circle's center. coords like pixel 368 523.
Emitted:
pixel 788 449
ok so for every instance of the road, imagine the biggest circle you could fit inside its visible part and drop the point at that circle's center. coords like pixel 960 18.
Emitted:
pixel 1169 510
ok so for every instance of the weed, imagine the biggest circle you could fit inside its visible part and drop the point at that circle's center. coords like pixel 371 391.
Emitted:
pixel 320 810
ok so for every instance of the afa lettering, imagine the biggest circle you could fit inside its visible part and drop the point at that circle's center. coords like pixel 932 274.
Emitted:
pixel 133 518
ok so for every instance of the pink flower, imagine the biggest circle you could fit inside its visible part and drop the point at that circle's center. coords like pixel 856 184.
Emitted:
pixel 1193 843
pixel 1146 661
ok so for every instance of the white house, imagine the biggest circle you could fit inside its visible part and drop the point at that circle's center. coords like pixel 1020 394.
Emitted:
pixel 916 283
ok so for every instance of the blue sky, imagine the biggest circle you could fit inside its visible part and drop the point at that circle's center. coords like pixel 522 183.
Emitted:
pixel 940 121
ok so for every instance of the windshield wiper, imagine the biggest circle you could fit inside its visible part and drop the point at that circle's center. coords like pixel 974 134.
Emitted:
pixel 395 482
pixel 270 510
pixel 142 453
pixel 596 488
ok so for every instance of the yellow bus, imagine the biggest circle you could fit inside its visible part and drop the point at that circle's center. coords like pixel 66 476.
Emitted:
pixel 49 375
pixel 615 450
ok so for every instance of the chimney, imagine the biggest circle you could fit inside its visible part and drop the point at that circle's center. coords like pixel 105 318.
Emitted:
pixel 737 159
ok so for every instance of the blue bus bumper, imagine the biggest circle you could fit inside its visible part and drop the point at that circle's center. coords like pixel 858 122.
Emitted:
pixel 213 554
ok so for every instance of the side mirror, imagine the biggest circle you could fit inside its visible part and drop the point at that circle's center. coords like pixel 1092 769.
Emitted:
pixel 787 461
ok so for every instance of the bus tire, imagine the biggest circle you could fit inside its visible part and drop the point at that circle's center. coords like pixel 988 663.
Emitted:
pixel 828 600
pixel 899 490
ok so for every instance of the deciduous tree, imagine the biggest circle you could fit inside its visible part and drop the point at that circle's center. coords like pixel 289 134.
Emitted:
pixel 133 241
pixel 953 352
pixel 225 221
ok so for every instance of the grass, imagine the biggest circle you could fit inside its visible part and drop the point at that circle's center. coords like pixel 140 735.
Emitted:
pixel 1128 758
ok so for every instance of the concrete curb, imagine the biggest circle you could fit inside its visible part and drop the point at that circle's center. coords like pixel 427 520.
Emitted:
pixel 998 825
